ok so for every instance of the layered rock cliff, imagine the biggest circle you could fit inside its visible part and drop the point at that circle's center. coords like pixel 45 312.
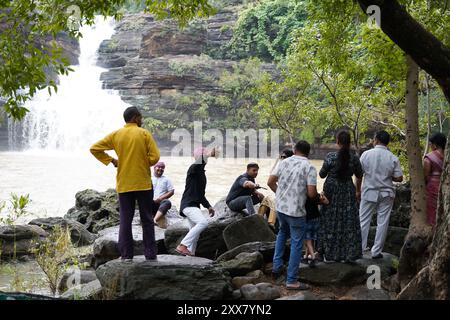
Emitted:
pixel 168 72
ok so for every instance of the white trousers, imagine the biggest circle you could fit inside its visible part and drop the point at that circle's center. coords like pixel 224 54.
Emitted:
pixel 197 223
pixel 383 208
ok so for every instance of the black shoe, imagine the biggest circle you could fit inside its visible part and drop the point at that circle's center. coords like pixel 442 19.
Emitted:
pixel 378 256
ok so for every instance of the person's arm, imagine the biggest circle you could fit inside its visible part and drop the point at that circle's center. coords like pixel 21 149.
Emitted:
pixel 165 196
pixel 99 148
pixel 152 150
pixel 273 183
pixel 426 169
pixel 249 185
pixel 325 168
pixel 359 173
pixel 358 188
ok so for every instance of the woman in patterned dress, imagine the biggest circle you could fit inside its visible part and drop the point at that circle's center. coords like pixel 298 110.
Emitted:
pixel 340 230
pixel 433 165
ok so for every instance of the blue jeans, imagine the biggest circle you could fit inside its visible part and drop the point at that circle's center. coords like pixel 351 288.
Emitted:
pixel 296 227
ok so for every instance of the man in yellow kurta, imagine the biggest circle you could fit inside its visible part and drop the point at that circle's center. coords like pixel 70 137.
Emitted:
pixel 137 152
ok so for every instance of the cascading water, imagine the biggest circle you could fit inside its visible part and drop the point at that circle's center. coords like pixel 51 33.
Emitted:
pixel 81 112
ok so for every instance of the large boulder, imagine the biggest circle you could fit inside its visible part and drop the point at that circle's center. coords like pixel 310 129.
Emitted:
pixel 95 210
pixel 248 229
pixel 79 235
pixel 20 240
pixel 343 274
pixel 394 240
pixel 243 263
pixel 106 245
pixel 210 244
pixel 169 278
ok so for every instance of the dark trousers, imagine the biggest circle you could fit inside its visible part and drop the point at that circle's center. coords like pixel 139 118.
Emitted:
pixel 164 206
pixel 244 202
pixel 127 204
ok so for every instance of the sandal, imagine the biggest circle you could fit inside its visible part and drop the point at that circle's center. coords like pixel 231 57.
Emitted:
pixel 183 251
pixel 297 286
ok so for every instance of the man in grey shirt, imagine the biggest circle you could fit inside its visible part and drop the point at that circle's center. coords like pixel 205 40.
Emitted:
pixel 381 168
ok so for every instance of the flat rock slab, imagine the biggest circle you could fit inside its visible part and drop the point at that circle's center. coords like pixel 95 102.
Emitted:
pixel 106 249
pixel 248 229
pixel 267 250
pixel 169 277
pixel 347 274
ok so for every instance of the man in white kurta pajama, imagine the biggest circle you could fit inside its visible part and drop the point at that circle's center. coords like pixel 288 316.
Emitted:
pixel 381 168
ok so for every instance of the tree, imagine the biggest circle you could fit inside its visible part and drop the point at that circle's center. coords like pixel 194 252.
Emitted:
pixel 29 30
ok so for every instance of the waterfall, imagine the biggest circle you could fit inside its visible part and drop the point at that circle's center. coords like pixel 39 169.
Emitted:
pixel 81 112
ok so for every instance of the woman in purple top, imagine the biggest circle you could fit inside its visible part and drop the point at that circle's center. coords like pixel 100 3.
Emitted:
pixel 433 165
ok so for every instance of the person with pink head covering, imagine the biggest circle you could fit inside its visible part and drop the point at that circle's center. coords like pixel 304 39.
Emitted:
pixel 193 197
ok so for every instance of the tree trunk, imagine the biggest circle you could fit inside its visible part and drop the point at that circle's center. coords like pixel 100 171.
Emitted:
pixel 428 91
pixel 426 50
pixel 413 253
pixel 433 281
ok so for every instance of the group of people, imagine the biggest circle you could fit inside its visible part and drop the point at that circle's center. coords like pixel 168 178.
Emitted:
pixel 339 230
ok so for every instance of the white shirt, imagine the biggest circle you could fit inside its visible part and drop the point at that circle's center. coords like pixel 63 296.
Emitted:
pixel 161 185
pixel 294 174
pixel 379 165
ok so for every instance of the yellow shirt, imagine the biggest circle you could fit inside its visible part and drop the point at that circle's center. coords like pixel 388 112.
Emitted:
pixel 137 152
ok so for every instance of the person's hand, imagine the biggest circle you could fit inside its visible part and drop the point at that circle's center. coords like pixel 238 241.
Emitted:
pixel 157 200
pixel 115 162
pixel 211 211
pixel 324 200
pixel 260 196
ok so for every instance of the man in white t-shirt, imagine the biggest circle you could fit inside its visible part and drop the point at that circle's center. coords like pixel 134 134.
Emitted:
pixel 293 181
pixel 163 190
pixel 381 168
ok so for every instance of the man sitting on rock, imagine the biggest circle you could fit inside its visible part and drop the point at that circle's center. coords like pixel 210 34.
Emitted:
pixel 243 194
pixel 163 190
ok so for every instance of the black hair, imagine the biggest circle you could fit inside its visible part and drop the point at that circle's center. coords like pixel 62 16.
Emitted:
pixel 439 139
pixel 252 165
pixel 288 152
pixel 130 113
pixel 383 137
pixel 344 139
pixel 303 146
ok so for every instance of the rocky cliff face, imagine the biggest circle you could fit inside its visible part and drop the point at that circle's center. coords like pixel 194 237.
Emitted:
pixel 167 72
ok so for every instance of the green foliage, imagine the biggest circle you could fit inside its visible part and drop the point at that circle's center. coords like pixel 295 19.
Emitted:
pixel 51 255
pixel 265 29
pixel 16 209
pixel 29 30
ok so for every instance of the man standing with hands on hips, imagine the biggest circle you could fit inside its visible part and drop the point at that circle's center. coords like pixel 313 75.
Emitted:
pixel 137 152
